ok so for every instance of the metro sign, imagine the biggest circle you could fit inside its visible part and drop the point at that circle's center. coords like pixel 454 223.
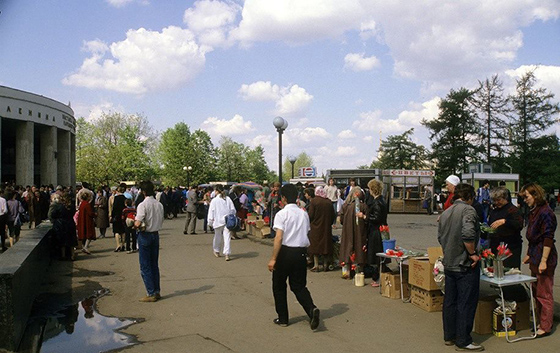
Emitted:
pixel 308 172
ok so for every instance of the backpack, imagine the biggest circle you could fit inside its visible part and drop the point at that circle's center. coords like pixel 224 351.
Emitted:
pixel 233 222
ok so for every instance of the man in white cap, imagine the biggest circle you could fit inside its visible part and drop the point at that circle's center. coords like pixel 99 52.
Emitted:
pixel 450 183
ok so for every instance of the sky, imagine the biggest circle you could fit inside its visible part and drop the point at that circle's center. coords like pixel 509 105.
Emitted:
pixel 344 73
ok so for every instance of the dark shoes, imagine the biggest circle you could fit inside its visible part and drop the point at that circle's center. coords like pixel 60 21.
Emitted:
pixel 185 232
pixel 279 323
pixel 314 322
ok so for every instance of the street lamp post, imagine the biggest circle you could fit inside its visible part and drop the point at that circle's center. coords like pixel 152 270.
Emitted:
pixel 188 170
pixel 292 160
pixel 280 124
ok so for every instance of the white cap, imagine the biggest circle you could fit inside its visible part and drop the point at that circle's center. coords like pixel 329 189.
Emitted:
pixel 453 179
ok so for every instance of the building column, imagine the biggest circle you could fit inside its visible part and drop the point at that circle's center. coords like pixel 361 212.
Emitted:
pixel 72 159
pixel 63 158
pixel 24 153
pixel 1 150
pixel 49 169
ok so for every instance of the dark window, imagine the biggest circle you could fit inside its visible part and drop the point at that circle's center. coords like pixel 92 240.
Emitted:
pixel 30 113
pixel 20 111
pixel 39 115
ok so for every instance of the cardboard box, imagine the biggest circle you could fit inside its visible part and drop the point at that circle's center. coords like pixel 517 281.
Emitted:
pixel 253 217
pixel 259 223
pixel 498 323
pixel 426 300
pixel 483 316
pixel 421 270
pixel 391 286
pixel 265 231
pixel 262 232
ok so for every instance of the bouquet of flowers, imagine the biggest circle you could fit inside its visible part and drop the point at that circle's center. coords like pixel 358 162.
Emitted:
pixel 503 252
pixel 384 232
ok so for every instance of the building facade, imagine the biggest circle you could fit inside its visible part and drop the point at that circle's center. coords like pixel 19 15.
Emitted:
pixel 38 139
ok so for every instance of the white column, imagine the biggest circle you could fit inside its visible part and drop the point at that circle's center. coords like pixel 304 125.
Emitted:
pixel 72 159
pixel 48 150
pixel 24 153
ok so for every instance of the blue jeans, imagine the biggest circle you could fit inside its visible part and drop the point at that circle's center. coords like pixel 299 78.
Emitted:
pixel 148 253
pixel 459 305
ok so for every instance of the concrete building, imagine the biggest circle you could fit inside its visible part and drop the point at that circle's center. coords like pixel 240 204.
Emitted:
pixel 38 141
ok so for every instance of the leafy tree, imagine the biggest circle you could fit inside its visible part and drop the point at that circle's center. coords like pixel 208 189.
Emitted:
pixel 491 106
pixel 454 133
pixel 533 113
pixel 400 152
pixel 302 160
pixel 113 148
pixel 180 148
pixel 231 160
pixel 256 165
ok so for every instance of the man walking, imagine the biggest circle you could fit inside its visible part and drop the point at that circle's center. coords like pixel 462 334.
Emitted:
pixel 483 198
pixel 150 214
pixel 288 260
pixel 190 223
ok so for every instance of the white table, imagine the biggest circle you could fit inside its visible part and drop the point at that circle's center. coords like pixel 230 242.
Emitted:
pixel 511 280
pixel 400 260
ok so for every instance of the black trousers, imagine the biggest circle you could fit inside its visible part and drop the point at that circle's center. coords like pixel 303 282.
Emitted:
pixel 3 223
pixel 291 265
pixel 459 305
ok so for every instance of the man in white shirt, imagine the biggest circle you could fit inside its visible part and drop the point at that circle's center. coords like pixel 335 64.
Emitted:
pixel 149 214
pixel 289 261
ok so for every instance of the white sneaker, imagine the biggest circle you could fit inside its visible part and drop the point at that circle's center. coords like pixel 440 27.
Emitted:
pixel 473 347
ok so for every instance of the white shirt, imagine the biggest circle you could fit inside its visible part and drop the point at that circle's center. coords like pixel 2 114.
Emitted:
pixel 218 210
pixel 295 223
pixel 150 211
pixel 332 193
pixel 3 206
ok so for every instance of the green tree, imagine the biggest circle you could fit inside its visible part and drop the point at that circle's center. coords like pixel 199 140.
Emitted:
pixel 113 148
pixel 231 160
pixel 400 152
pixel 454 133
pixel 491 107
pixel 180 148
pixel 533 113
pixel 302 160
pixel 256 165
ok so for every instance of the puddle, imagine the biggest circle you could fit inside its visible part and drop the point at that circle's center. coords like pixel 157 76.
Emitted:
pixel 76 328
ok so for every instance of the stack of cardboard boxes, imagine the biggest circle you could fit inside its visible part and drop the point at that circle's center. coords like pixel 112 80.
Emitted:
pixel 257 227
pixel 425 293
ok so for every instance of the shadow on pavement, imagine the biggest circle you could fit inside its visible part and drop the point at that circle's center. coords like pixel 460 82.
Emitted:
pixel 188 291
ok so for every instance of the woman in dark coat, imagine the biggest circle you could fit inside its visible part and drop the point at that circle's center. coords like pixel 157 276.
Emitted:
pixel 353 239
pixel 506 219
pixel 85 224
pixel 542 255
pixel 102 219
pixel 321 216
pixel 63 228
pixel 116 218
pixel 376 217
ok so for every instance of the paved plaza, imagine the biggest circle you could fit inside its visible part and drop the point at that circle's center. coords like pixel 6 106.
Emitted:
pixel 210 305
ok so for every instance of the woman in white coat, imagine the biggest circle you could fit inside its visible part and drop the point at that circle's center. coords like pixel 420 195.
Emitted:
pixel 220 207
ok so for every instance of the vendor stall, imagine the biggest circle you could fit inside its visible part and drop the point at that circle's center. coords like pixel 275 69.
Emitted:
pixel 404 189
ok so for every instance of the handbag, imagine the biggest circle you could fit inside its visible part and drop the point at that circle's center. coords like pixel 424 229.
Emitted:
pixel 425 204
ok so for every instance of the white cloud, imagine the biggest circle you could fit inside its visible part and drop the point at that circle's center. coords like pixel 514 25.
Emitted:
pixel 289 100
pixel 222 127
pixel 428 110
pixel 359 62
pixel 123 3
pixel 547 76
pixel 368 138
pixel 145 61
pixel 346 151
pixel 302 137
pixel 118 3
pixel 346 134
pixel 296 21
pixel 457 41
pixel 211 20
pixel 92 112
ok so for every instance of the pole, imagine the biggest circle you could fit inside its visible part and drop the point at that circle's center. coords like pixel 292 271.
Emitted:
pixel 280 156
pixel 292 169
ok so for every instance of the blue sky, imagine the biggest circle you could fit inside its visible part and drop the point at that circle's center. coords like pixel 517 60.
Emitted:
pixel 342 72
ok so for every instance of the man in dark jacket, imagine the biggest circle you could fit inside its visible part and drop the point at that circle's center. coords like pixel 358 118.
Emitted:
pixel 458 234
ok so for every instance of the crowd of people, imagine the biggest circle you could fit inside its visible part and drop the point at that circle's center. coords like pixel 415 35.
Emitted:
pixel 135 216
